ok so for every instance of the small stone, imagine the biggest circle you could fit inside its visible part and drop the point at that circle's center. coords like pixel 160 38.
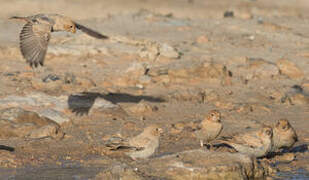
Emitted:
pixel 261 68
pixel 51 77
pixel 149 51
pixel 285 158
pixel 140 108
pixel 54 115
pixel 289 69
pixel 168 51
pixel 69 78
pixel 119 171
pixel 202 39
pixel 136 70
pixel 228 14
pixel 299 99
pixel 145 79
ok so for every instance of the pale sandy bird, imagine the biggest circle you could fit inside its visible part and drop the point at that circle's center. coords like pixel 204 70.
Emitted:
pixel 210 128
pixel 36 33
pixel 256 143
pixel 284 135
pixel 140 146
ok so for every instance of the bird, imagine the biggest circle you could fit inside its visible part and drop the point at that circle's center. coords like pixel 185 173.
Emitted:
pixel 284 135
pixel 210 128
pixel 138 147
pixel 256 144
pixel 36 33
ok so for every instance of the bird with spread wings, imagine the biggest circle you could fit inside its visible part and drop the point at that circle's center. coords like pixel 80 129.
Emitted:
pixel 36 33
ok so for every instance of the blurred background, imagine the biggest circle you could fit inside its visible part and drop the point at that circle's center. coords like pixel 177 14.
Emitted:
pixel 80 9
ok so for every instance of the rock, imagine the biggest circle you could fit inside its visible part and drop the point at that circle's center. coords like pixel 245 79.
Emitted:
pixel 199 164
pixel 149 51
pixel 285 158
pixel 119 171
pixel 54 115
pixel 144 79
pixel 205 70
pixel 168 51
pixel 224 104
pixel 141 108
pixel 9 160
pixel 261 68
pixel 228 14
pixel 157 71
pixel 289 69
pixel 194 95
pixel 17 122
pixel 210 70
pixel 202 39
pixel 299 99
pixel 136 70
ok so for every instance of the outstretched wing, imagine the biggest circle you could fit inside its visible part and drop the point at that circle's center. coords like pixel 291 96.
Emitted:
pixel 90 32
pixel 34 40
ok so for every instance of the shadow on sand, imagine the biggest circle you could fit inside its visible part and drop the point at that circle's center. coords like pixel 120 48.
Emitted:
pixel 80 104
pixel 7 148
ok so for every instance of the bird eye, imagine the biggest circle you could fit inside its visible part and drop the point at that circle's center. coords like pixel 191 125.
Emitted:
pixel 268 132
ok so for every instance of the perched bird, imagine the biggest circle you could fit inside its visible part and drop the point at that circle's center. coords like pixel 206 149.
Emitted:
pixel 256 143
pixel 140 146
pixel 284 135
pixel 36 33
pixel 210 128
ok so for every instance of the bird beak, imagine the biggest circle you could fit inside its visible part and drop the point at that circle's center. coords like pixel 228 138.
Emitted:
pixel 73 30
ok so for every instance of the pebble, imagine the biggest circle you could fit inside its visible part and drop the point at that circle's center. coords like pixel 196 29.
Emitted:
pixel 289 69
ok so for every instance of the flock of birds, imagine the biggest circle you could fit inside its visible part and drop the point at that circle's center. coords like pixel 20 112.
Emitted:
pixel 257 143
pixel 34 39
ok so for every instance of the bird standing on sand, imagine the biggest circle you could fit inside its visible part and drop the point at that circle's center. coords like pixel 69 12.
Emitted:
pixel 210 128
pixel 256 143
pixel 36 33
pixel 284 135
pixel 140 146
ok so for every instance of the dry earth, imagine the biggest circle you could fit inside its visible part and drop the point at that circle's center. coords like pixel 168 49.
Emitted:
pixel 167 61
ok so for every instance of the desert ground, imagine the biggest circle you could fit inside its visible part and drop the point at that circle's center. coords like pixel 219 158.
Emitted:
pixel 167 62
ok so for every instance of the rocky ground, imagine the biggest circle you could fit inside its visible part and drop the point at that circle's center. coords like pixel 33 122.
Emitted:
pixel 167 62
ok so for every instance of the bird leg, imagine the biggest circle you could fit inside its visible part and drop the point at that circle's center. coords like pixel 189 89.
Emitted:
pixel 201 143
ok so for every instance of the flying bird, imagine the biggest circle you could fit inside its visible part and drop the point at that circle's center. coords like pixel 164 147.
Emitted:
pixel 36 33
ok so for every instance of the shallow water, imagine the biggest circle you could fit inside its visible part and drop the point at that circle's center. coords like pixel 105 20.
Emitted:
pixel 57 173
pixel 299 174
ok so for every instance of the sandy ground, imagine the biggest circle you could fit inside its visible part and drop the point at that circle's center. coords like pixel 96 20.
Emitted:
pixel 247 85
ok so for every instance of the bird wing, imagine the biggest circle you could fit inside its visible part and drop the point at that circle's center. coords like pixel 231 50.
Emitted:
pixel 34 39
pixel 249 140
pixel 90 32
pixel 118 143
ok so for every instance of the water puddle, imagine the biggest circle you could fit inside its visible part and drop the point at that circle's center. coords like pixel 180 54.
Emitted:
pixel 57 173
pixel 299 174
